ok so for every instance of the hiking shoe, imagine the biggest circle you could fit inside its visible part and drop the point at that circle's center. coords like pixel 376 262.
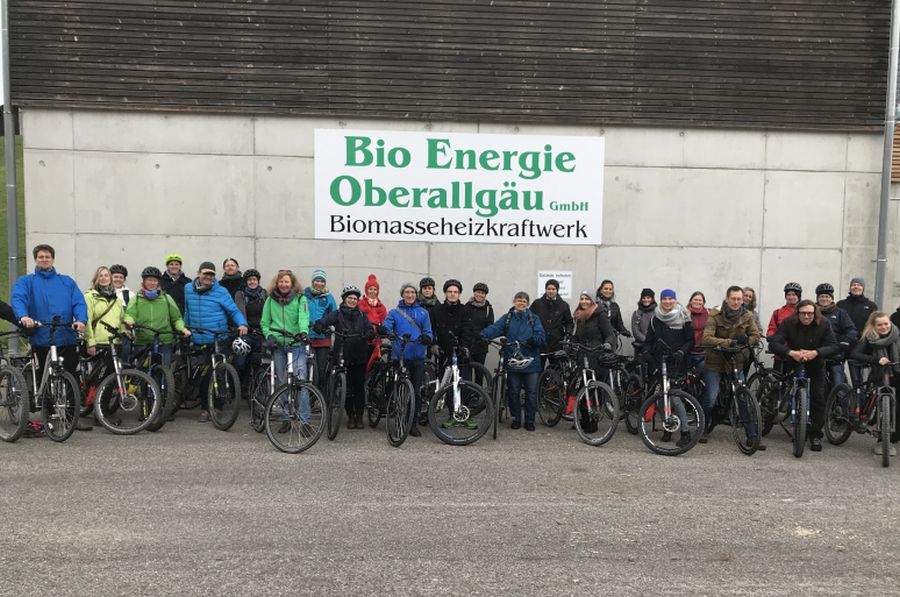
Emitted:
pixel 414 431
pixel 33 429
pixel 82 424
pixel 704 438
pixel 204 416
pixel 529 426
pixel 667 436
pixel 450 423
pixel 516 425
pixel 815 444
pixel 684 440
pixel 471 424
pixel 285 427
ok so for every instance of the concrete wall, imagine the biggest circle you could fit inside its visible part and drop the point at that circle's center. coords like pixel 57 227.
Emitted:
pixel 688 209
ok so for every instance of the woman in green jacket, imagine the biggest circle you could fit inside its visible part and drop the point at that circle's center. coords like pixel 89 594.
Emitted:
pixel 151 307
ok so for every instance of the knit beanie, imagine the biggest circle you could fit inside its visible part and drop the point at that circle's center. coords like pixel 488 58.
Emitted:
pixel 319 274
pixel 405 286
pixel 551 282
pixel 372 281
pixel 667 293
pixel 648 292
pixel 859 281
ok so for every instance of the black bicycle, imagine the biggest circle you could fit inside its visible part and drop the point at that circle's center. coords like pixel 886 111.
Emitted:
pixel 150 360
pixel 224 390
pixel 735 404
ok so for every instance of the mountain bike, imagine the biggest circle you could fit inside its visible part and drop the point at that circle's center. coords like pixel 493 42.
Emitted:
pixel 735 404
pixel 378 384
pixel 797 397
pixel 336 393
pixel 400 408
pixel 151 360
pixel 14 396
pixel 91 370
pixel 669 410
pixel 224 388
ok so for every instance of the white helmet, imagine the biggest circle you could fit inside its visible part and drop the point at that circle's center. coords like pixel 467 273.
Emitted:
pixel 240 346
pixel 519 361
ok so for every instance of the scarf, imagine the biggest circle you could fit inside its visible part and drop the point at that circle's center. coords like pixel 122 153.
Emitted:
pixel 732 316
pixel 886 346
pixel 607 303
pixel 476 304
pixel 200 287
pixel 284 299
pixel 229 277
pixel 315 292
pixel 254 294
pixel 107 292
pixel 647 308
pixel 149 294
pixel 674 319
pixel 583 315
pixel 374 303
pixel 829 309
pixel 428 302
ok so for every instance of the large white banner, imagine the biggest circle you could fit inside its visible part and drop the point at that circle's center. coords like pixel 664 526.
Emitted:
pixel 458 187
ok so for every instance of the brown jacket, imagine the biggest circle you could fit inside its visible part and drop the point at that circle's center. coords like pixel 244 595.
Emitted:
pixel 719 332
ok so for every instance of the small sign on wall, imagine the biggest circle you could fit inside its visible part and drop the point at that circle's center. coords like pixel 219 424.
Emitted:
pixel 564 279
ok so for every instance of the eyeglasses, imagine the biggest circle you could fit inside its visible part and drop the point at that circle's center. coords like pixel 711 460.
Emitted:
pixel 806 313
pixel 284 271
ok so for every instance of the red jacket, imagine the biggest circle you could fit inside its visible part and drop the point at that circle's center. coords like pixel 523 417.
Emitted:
pixel 698 322
pixel 779 315
pixel 376 314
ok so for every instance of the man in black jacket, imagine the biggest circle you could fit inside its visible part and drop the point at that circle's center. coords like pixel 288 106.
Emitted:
pixel 806 338
pixel 174 280
pixel 6 312
pixel 555 316
pixel 858 307
pixel 450 322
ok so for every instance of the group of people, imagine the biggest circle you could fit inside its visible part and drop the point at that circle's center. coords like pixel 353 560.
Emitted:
pixel 818 334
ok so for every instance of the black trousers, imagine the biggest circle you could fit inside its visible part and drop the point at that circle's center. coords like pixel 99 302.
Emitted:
pixel 356 389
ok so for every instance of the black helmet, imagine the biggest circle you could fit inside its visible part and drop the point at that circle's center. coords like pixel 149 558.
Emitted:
pixel 426 281
pixel 118 269
pixel 452 282
pixel 793 287
pixel 480 286
pixel 825 288
pixel 252 273
pixel 151 272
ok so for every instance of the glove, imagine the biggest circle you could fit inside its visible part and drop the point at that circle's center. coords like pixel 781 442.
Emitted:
pixel 304 337
pixel 627 334
pixel 464 353
pixel 678 355
pixel 741 339
pixel 271 342
pixel 319 329
pixel 606 347
pixel 381 330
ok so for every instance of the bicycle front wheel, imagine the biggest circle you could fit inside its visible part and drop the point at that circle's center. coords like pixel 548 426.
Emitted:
pixel 746 421
pixel 499 399
pixel 596 413
pixel 128 407
pixel 165 379
pixel 631 403
pixel 800 420
pixel 376 398
pixel 337 390
pixel 295 416
pixel 13 404
pixel 224 396
pixel 837 415
pixel 400 412
pixel 885 416
pixel 259 396
pixel 465 424
pixel 659 429
pixel 551 397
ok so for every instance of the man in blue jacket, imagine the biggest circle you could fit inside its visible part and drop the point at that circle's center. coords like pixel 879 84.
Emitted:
pixel 209 305
pixel 42 296
pixel 409 318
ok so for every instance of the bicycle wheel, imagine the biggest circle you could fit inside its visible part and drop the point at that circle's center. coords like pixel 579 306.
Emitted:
pixel 885 416
pixel 430 381
pixel 399 413
pixel 375 395
pixel 551 397
pixel 474 370
pixel 337 390
pixel 187 396
pixel 768 396
pixel 128 409
pixel 469 422
pixel 259 396
pixel 596 413
pixel 632 393
pixel 746 421
pixel 499 399
pixel 60 406
pixel 837 415
pixel 165 379
pixel 295 416
pixel 224 396
pixel 14 399
pixel 800 421
pixel 658 429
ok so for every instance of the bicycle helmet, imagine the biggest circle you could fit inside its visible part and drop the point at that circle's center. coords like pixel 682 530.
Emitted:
pixel 426 281
pixel 480 286
pixel 174 257
pixel 151 272
pixel 793 287
pixel 118 269
pixel 825 288
pixel 453 282
pixel 350 289
pixel 252 273
pixel 240 346
pixel 519 360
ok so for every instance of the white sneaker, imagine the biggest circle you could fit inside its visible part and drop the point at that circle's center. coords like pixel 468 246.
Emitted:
pixel 892 450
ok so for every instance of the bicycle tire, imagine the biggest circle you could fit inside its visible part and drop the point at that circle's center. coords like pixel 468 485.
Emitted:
pixel 633 391
pixel 551 397
pixel 885 416
pixel 597 413
pixel 837 415
pixel 654 423
pixel 337 393
pixel 125 414
pixel 187 396
pixel 165 379
pixel 300 434
pixel 498 397
pixel 14 404
pixel 800 422
pixel 259 396
pixel 746 421
pixel 767 396
pixel 487 378
pixel 376 400
pixel 399 412
pixel 474 419
pixel 224 396
pixel 430 381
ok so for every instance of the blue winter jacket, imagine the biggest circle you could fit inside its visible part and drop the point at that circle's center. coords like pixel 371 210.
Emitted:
pixel 399 325
pixel 319 307
pixel 527 329
pixel 211 309
pixel 45 295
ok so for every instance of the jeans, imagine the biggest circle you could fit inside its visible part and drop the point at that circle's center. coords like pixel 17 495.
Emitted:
pixel 711 383
pixel 165 353
pixel 416 375
pixel 515 382
pixel 298 356
pixel 697 361
pixel 836 372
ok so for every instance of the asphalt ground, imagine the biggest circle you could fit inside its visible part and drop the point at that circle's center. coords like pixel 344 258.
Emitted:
pixel 195 511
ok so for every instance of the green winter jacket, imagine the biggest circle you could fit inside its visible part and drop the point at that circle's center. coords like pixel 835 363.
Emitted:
pixel 160 313
pixel 99 309
pixel 293 317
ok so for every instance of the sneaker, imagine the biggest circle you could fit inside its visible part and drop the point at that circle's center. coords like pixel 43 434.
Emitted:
pixel 667 436
pixel 285 427
pixel 450 423
pixel 204 416
pixel 471 424
pixel 877 449
pixel 684 440
pixel 815 444
pixel 516 425
pixel 529 426
pixel 761 447
pixel 414 431
pixel 33 429
pixel 83 424
pixel 704 438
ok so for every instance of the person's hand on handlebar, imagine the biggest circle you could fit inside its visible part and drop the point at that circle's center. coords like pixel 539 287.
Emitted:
pixel 91 350
pixel 78 326
pixel 242 330
pixel 186 333
pixel 26 322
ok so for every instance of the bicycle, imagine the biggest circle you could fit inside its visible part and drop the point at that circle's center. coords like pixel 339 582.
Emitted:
pixel 378 385
pixel 150 359
pixel 596 406
pixel 669 410
pixel 337 385
pixel 401 399
pixel 91 370
pixel 553 385
pixel 224 389
pixel 470 408
pixel 14 411
pixel 797 397
pixel 844 414
pixel 735 404
pixel 128 400
pixel 296 412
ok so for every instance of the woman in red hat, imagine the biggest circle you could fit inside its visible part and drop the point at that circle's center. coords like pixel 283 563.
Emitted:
pixel 375 310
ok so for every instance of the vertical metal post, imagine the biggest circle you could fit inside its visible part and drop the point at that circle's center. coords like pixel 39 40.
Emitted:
pixel 9 129
pixel 890 122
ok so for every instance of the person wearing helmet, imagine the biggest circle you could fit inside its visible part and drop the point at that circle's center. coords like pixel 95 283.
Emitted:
pixel 174 280
pixel 525 336
pixel 232 279
pixel 348 319
pixel 153 308
pixel 375 310
pixel 410 318
pixel 427 298
pixel 792 294
pixel 555 315
pixel 119 278
pixel 844 330
pixel 320 303
pixel 250 300
pixel 480 315
pixel 208 305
